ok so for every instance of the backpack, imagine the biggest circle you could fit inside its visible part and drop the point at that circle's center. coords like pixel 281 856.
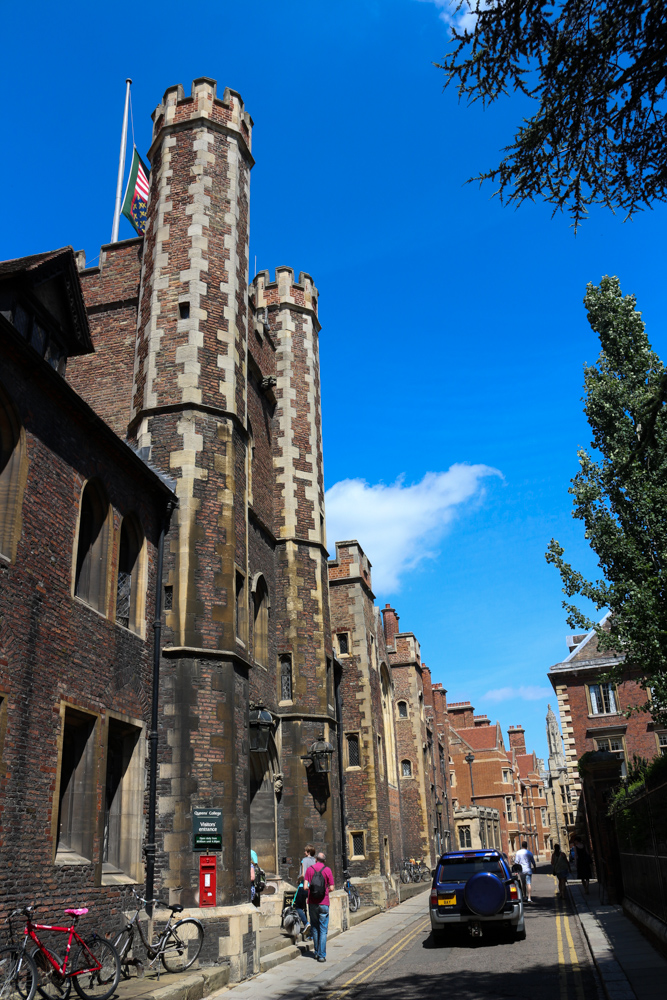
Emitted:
pixel 318 885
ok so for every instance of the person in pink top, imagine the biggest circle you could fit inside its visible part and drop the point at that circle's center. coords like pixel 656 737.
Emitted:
pixel 319 882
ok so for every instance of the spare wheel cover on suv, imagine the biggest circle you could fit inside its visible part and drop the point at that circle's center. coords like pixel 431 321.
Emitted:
pixel 484 894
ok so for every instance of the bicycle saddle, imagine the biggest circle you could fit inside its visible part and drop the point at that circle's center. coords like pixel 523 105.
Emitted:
pixel 176 908
pixel 78 912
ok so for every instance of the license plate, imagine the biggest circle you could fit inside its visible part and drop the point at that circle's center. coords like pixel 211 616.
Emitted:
pixel 446 900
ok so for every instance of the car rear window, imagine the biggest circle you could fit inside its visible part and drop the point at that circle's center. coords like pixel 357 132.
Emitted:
pixel 460 869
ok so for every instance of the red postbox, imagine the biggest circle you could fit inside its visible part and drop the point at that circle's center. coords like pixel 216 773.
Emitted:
pixel 207 879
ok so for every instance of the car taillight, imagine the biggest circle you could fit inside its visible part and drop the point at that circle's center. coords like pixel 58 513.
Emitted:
pixel 514 892
pixel 433 899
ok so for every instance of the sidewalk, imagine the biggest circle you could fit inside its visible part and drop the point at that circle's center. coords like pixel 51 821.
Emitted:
pixel 304 977
pixel 629 966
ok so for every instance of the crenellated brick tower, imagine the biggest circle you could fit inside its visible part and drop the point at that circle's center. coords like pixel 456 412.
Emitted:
pixel 189 413
pixel 303 632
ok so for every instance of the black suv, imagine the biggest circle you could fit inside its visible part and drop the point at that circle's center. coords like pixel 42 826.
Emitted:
pixel 476 887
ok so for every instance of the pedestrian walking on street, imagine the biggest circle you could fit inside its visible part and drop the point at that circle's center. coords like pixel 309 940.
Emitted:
pixel 307 860
pixel 319 882
pixel 526 859
pixel 583 862
pixel 561 868
pixel 299 902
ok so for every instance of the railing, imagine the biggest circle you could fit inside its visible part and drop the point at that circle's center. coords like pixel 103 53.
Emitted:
pixel 641 830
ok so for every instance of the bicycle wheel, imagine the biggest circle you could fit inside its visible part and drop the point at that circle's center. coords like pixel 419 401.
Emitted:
pixel 50 984
pixel 18 974
pixel 183 945
pixel 405 876
pixel 355 900
pixel 101 984
pixel 426 875
pixel 416 875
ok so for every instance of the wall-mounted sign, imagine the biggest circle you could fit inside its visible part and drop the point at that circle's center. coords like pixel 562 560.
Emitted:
pixel 207 830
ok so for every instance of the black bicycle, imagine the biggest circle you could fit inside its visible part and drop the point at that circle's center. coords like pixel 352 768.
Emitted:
pixel 177 947
pixel 353 894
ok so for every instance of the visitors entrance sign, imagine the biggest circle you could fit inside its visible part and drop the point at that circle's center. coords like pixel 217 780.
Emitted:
pixel 207 830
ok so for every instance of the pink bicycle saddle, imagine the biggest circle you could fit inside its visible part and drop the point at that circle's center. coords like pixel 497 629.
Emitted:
pixel 78 913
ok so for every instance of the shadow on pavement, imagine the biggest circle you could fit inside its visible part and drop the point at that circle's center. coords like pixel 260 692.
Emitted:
pixel 541 980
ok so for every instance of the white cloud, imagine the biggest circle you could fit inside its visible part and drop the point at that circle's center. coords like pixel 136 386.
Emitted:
pixel 526 692
pixel 460 14
pixel 397 526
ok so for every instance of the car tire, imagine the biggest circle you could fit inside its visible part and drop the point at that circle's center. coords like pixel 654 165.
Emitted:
pixel 518 935
pixel 438 937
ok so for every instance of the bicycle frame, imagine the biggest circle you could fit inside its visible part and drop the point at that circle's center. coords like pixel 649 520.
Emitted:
pixel 152 950
pixel 29 934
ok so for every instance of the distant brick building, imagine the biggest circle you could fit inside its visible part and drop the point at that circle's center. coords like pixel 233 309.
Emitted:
pixel 594 712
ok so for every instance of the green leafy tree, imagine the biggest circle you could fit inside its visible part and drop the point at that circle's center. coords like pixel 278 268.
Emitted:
pixel 621 494
pixel 598 72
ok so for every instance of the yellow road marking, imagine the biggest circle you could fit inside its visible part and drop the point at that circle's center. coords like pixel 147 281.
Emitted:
pixel 366 973
pixel 563 931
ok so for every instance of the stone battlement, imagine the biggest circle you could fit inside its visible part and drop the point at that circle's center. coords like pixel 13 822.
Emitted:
pixel 203 102
pixel 284 291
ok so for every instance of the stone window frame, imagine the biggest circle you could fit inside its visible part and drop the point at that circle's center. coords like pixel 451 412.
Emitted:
pixel 509 811
pixel 92 584
pixel 131 869
pixel 355 856
pixel 13 476
pixel 139 576
pixel 613 689
pixel 59 857
pixel 465 829
pixel 261 606
pixel 605 737
pixel 240 607
pixel 346 633
pixel 410 772
pixel 660 739
pixel 353 735
pixel 508 780
pixel 381 767
pixel 398 709
pixel 283 659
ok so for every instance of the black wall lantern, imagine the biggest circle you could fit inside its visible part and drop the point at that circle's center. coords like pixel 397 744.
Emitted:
pixel 260 722
pixel 319 756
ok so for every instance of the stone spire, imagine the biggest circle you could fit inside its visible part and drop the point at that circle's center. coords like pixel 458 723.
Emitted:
pixel 555 740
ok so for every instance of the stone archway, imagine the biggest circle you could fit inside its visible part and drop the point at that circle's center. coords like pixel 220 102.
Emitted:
pixel 263 839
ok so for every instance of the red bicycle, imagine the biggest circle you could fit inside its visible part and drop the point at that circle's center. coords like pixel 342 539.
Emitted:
pixel 92 965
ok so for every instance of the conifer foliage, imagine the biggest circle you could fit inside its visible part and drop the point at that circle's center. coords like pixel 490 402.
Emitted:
pixel 621 494
pixel 598 71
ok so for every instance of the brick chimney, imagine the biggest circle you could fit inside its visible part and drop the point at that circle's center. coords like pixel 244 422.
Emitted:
pixel 481 720
pixel 461 714
pixel 390 624
pixel 517 736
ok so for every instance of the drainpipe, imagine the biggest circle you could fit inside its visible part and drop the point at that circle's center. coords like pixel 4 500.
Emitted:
pixel 150 847
pixel 339 735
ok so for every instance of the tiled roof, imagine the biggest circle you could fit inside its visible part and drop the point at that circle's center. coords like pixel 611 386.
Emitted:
pixel 480 738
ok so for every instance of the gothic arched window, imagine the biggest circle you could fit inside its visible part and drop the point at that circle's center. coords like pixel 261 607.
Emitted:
pixel 261 622
pixel 286 678
pixel 130 587
pixel 92 554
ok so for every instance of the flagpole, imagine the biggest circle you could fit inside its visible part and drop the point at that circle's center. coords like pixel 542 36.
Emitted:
pixel 121 166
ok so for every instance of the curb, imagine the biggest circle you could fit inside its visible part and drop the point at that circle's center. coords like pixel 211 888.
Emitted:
pixel 614 981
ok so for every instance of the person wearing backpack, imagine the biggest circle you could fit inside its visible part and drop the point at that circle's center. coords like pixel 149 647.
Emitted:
pixel 319 882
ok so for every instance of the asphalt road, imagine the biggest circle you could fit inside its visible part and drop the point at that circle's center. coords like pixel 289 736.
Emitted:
pixel 551 964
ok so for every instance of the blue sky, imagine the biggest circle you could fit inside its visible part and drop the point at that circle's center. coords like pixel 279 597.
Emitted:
pixel 453 329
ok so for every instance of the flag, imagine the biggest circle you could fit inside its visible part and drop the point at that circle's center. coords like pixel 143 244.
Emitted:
pixel 135 202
